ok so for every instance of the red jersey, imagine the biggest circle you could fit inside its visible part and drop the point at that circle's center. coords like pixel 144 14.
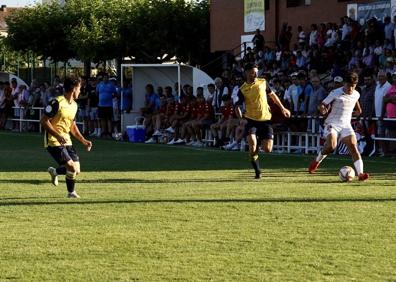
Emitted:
pixel 228 112
pixel 163 108
pixel 205 109
pixel 171 109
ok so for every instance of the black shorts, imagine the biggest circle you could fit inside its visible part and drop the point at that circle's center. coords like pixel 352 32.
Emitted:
pixel 262 129
pixel 105 112
pixel 63 154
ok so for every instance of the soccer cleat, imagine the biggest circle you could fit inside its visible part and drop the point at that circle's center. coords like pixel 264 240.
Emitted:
pixel 191 143
pixel 363 176
pixel 198 144
pixel 73 195
pixel 157 133
pixel 237 147
pixel 258 175
pixel 180 141
pixel 313 166
pixel 171 142
pixel 170 130
pixel 150 141
pixel 54 176
pixel 230 146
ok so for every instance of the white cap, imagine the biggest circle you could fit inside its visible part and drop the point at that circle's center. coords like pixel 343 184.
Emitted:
pixel 338 79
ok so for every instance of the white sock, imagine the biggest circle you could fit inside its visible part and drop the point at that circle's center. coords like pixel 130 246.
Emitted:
pixel 320 157
pixel 358 166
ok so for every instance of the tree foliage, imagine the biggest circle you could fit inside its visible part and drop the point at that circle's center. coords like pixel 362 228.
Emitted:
pixel 98 30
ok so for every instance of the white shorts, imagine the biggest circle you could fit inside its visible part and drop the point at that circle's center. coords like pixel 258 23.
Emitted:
pixel 340 131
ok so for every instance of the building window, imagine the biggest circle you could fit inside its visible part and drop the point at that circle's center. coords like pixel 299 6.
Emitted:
pixel 307 2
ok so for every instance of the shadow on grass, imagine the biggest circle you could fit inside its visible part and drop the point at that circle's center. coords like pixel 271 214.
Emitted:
pixel 243 179
pixel 201 201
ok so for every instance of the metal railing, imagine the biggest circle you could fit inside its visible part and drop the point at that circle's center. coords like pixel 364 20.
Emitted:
pixel 22 118
pixel 309 141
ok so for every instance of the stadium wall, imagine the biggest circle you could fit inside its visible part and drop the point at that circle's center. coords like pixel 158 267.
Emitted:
pixel 227 19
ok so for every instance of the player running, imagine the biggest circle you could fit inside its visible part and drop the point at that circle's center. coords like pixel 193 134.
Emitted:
pixel 58 122
pixel 340 105
pixel 258 115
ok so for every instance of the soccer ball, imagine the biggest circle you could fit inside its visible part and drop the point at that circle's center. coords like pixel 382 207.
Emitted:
pixel 346 174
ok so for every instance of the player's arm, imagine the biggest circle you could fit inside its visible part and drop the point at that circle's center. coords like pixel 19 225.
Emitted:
pixel 324 107
pixel 49 112
pixel 77 134
pixel 238 104
pixel 357 111
pixel 278 102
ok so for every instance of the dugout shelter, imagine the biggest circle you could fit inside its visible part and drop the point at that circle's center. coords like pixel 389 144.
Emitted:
pixel 158 75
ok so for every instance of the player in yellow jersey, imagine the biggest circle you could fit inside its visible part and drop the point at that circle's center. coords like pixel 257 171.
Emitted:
pixel 254 93
pixel 58 122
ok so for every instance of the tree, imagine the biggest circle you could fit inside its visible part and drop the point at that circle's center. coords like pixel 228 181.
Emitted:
pixel 41 29
pixel 97 30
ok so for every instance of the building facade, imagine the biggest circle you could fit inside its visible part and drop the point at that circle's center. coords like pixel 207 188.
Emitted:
pixel 227 19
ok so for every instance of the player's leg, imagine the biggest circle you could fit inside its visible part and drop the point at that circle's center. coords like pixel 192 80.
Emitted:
pixel 58 154
pixel 253 153
pixel 351 142
pixel 72 170
pixel 266 134
pixel 330 145
pixel 214 128
pixel 267 145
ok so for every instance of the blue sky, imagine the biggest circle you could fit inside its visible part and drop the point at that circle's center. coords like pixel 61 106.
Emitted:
pixel 18 3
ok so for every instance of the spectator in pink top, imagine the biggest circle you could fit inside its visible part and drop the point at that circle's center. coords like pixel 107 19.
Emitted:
pixel 389 110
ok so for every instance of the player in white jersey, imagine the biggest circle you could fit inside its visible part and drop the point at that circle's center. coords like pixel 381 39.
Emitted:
pixel 340 105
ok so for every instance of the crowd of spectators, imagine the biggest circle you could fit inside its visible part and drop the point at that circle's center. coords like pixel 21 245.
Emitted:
pixel 301 69
pixel 99 104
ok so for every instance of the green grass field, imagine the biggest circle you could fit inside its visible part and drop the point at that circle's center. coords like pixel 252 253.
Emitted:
pixel 158 213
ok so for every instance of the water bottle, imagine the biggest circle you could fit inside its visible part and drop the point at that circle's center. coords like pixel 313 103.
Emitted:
pixel 243 145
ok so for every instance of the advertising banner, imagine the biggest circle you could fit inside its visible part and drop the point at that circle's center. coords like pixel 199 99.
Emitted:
pixel 254 15
pixel 378 10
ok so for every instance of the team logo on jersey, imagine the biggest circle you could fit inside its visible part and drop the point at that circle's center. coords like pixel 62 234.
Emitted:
pixel 48 109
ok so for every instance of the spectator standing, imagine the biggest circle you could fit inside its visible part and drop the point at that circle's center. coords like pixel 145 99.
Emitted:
pixel 93 101
pixel 381 89
pixel 313 36
pixel 106 91
pixel 367 97
pixel 389 29
pixel 116 108
pixel 126 93
pixel 389 111
pixel 82 102
pixel 220 90
pixel 301 36
pixel 291 94
pixel 318 95
pixel 258 41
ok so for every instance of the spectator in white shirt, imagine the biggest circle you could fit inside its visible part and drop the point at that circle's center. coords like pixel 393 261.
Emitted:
pixel 380 90
pixel 313 36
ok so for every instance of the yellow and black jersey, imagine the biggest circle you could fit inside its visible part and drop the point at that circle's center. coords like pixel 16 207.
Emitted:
pixel 254 95
pixel 62 115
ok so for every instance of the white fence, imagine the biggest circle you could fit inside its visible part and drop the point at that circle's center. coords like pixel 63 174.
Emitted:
pixel 23 121
pixel 284 141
